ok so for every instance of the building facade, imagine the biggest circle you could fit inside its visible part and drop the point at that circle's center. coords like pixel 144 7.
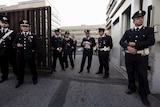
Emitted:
pixel 78 31
pixel 118 20
pixel 55 16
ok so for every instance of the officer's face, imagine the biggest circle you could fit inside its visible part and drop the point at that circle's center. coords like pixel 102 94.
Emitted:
pixel 25 28
pixel 4 24
pixel 66 35
pixel 57 33
pixel 138 21
pixel 87 34
pixel 101 33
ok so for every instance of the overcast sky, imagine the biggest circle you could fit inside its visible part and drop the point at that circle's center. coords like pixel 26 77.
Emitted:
pixel 76 12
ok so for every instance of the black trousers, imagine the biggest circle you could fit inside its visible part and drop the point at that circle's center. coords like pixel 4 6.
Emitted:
pixel 56 55
pixel 13 62
pixel 66 59
pixel 138 64
pixel 74 53
pixel 86 53
pixel 4 66
pixel 21 68
pixel 104 62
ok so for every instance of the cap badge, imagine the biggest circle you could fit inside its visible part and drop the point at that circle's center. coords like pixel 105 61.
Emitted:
pixel 25 21
pixel 4 18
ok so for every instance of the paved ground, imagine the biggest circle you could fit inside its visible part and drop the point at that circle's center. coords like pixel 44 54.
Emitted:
pixel 71 89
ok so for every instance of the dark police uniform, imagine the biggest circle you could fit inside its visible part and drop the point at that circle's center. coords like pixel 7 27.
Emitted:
pixel 104 46
pixel 25 54
pixel 7 53
pixel 57 43
pixel 88 51
pixel 143 37
pixel 67 50
pixel 74 48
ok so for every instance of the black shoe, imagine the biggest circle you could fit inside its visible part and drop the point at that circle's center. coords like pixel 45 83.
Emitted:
pixel 53 71
pixel 80 71
pixel 4 79
pixel 99 72
pixel 145 101
pixel 72 67
pixel 35 81
pixel 19 84
pixel 66 66
pixel 130 91
pixel 63 69
pixel 88 70
pixel 105 76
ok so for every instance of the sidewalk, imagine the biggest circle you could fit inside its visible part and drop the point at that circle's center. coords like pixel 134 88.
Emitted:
pixel 71 89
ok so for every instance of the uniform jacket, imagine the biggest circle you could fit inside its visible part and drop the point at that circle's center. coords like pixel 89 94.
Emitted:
pixel 56 42
pixel 92 41
pixel 6 45
pixel 105 41
pixel 67 49
pixel 143 38
pixel 29 45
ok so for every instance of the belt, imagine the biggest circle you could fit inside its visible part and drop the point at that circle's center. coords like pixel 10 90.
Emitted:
pixel 104 49
pixel 145 51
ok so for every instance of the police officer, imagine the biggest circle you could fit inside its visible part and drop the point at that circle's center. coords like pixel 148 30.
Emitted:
pixel 74 46
pixel 87 43
pixel 67 49
pixel 25 44
pixel 7 53
pixel 57 46
pixel 104 46
pixel 136 41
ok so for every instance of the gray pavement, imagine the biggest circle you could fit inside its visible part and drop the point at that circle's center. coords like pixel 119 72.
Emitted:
pixel 71 89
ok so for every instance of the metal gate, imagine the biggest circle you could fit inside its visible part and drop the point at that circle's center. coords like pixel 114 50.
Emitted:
pixel 40 20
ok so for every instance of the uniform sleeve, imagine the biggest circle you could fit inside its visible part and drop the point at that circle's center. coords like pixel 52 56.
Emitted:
pixel 150 39
pixel 123 41
pixel 82 43
pixel 93 42
pixel 13 35
pixel 61 44
pixel 111 43
pixel 72 43
pixel 35 41
pixel 15 41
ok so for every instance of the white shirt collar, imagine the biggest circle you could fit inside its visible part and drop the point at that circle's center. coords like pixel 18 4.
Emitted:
pixel 139 27
pixel 88 37
pixel 27 33
pixel 103 35
pixel 5 29
pixel 57 35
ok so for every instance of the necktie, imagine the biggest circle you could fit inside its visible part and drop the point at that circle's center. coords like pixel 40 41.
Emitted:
pixel 25 34
pixel 137 29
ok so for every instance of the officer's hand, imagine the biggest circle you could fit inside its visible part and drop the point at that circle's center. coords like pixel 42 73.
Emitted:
pixel 132 50
pixel 60 50
pixel 68 44
pixel 132 44
pixel 19 45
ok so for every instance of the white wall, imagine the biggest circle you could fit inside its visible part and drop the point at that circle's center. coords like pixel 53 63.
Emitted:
pixel 155 55
pixel 116 33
